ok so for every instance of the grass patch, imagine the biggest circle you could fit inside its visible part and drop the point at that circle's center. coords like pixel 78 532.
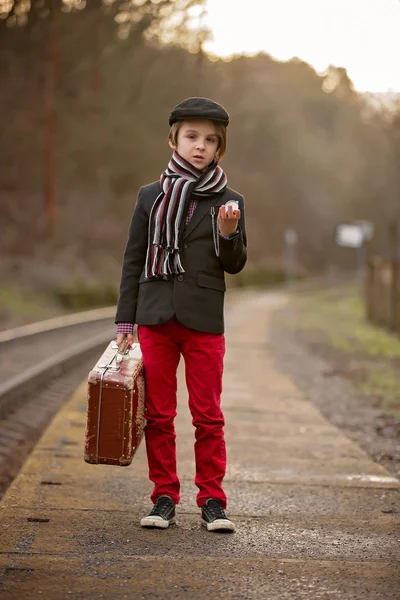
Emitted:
pixel 342 320
pixel 384 387
pixel 82 295
pixel 17 304
pixel 336 319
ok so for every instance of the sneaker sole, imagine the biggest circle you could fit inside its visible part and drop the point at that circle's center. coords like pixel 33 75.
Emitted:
pixel 157 522
pixel 219 525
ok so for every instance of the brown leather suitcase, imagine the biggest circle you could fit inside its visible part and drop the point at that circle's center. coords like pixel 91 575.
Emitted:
pixel 115 408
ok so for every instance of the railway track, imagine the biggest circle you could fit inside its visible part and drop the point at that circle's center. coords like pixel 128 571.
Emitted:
pixel 41 364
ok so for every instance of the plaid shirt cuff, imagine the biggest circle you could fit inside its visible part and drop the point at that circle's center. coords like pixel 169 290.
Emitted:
pixel 126 328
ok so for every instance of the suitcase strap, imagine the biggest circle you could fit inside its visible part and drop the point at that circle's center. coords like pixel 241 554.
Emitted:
pixel 121 351
pixel 118 357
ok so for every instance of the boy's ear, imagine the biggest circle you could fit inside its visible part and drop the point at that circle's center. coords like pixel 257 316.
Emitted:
pixel 171 145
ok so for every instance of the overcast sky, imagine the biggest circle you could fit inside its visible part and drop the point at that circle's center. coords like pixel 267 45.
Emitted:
pixel 361 35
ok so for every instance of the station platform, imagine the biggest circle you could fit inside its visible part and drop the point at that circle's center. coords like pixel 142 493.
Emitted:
pixel 316 517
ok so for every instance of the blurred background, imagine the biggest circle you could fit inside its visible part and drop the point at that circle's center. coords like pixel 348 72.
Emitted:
pixel 86 87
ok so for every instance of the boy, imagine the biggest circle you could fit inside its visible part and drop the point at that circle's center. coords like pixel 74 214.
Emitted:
pixel 182 238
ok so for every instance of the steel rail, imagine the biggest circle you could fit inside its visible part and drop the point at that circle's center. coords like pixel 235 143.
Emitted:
pixel 80 318
pixel 14 391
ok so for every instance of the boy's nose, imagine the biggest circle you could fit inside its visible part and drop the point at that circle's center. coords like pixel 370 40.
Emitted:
pixel 200 144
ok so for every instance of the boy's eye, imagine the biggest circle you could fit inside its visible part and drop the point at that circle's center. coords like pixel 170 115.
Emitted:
pixel 212 140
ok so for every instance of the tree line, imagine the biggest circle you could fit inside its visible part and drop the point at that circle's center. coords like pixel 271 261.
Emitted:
pixel 86 90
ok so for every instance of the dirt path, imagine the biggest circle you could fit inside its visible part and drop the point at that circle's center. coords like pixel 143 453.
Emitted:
pixel 316 517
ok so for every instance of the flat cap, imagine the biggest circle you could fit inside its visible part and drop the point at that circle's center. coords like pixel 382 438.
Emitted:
pixel 199 108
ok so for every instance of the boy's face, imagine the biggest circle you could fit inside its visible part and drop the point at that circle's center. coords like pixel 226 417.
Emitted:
pixel 197 142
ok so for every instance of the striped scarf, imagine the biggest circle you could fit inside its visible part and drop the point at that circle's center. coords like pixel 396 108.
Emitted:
pixel 168 214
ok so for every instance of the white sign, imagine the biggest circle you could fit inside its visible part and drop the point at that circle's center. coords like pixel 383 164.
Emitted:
pixel 367 227
pixel 351 236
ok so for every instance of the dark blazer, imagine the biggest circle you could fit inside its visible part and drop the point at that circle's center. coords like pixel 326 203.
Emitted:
pixel 196 297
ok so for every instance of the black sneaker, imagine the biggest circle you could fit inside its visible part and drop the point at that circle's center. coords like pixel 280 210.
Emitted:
pixel 214 517
pixel 162 514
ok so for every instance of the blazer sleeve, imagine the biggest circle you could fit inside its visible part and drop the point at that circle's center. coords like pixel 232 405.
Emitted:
pixel 233 251
pixel 133 263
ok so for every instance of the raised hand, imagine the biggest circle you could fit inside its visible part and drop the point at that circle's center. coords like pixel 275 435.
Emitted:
pixel 228 218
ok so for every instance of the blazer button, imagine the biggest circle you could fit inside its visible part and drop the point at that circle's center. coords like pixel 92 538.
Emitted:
pixel 185 246
pixel 180 278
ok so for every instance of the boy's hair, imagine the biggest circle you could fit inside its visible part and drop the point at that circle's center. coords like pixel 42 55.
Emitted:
pixel 220 129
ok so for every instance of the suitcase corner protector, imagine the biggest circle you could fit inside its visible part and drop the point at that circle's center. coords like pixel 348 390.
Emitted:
pixel 90 458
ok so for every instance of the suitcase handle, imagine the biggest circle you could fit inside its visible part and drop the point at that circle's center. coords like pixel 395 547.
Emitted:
pixel 121 352
pixel 123 349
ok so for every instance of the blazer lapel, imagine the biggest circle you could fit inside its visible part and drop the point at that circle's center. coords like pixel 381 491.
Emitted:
pixel 203 208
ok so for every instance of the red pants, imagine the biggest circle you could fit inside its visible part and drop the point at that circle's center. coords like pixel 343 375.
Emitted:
pixel 203 354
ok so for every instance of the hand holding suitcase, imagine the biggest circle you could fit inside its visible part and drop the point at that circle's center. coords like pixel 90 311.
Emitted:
pixel 115 413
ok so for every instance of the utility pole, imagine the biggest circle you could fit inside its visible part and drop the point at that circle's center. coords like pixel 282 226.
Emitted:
pixel 50 64
pixel 394 236
pixel 291 254
pixel 95 80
